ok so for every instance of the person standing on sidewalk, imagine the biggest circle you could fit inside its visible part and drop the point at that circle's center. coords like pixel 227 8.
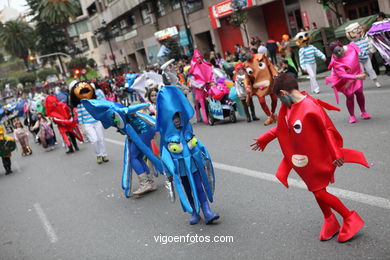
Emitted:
pixel 92 127
pixel 272 47
pixel 7 145
pixel 307 58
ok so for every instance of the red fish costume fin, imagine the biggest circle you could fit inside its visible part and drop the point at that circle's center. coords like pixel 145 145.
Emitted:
pixel 267 137
pixel 283 171
pixel 327 105
pixel 354 156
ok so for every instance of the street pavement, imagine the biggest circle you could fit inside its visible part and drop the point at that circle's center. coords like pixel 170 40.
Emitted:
pixel 58 206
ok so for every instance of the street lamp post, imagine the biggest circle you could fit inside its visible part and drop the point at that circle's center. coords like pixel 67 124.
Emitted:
pixel 107 37
pixel 188 31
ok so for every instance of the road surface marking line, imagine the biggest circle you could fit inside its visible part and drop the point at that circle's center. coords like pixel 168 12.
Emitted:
pixel 346 194
pixel 45 223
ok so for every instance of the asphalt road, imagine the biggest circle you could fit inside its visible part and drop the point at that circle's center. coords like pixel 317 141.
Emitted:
pixel 58 206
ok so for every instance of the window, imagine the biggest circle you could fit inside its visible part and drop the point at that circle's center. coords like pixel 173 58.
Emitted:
pixel 161 8
pixel 192 6
pixel 132 22
pixel 92 9
pixel 145 15
pixel 84 45
pixel 94 42
pixel 175 4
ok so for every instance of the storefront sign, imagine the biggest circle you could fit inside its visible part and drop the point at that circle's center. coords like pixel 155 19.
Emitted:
pixel 183 38
pixel 130 34
pixel 166 33
pixel 225 8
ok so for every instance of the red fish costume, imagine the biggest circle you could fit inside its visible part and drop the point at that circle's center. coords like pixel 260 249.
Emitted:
pixel 301 130
pixel 343 79
pixel 202 73
pixel 61 115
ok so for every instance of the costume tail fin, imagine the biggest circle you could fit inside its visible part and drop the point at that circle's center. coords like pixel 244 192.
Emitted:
pixel 354 156
pixel 327 105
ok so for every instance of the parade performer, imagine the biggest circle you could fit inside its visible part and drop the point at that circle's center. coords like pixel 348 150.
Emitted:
pixel 355 33
pixel 186 160
pixel 202 74
pixel 21 136
pixel 67 125
pixel 303 126
pixel 379 34
pixel 240 78
pixel 7 145
pixel 261 73
pixel 347 77
pixel 140 131
pixel 307 58
pixel 92 127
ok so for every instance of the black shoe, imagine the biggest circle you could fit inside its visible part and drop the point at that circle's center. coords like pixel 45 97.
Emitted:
pixel 70 150
pixel 77 149
pixel 8 172
pixel 248 119
pixel 254 118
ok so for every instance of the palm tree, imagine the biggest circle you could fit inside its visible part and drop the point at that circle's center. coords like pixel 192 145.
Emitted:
pixel 17 37
pixel 59 11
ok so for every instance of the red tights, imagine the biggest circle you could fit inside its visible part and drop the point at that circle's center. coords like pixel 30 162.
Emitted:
pixel 327 201
pixel 274 102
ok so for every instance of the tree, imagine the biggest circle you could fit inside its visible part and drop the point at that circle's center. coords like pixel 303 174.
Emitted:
pixel 91 63
pixel 77 63
pixel 333 6
pixel 42 75
pixel 239 17
pixel 17 38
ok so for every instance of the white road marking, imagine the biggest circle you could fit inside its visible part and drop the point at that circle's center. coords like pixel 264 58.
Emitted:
pixel 45 223
pixel 346 194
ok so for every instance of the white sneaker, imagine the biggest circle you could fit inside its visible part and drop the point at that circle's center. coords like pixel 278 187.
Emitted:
pixel 316 91
pixel 378 85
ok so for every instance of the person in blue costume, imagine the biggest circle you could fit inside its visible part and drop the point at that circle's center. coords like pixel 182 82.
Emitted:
pixel 140 130
pixel 185 159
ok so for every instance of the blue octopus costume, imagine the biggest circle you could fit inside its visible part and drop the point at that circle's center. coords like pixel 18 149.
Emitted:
pixel 185 159
pixel 139 129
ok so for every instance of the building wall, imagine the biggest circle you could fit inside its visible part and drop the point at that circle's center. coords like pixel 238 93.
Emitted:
pixel 384 6
pixel 315 12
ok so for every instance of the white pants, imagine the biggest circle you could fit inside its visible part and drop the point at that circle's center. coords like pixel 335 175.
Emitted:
pixel 366 65
pixel 312 71
pixel 95 135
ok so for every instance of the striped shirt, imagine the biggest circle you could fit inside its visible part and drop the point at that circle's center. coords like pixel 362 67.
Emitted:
pixel 307 55
pixel 84 116
pixel 364 47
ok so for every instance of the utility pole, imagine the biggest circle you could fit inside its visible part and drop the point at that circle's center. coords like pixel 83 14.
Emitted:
pixel 188 31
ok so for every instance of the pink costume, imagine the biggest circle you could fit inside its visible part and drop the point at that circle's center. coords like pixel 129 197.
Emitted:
pixel 343 79
pixel 202 74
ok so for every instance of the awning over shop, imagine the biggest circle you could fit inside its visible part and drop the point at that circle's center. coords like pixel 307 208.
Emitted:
pixel 340 31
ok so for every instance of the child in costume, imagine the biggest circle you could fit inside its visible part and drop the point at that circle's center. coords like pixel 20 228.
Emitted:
pixel 66 123
pixel 355 33
pixel 151 96
pixel 303 126
pixel 261 72
pixel 186 160
pixel 21 136
pixel 307 58
pixel 45 132
pixel 7 145
pixel 92 127
pixel 139 130
pixel 347 77
pixel 240 79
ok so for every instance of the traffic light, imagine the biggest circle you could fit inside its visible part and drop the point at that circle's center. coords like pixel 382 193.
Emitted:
pixel 76 73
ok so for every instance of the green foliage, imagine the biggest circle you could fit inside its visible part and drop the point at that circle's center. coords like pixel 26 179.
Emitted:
pixel 12 81
pixel 17 37
pixel 238 16
pixel 27 77
pixel 42 75
pixel 77 63
pixel 91 63
pixel 58 12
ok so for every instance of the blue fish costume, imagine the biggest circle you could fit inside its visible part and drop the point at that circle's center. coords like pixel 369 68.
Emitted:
pixel 139 129
pixel 185 159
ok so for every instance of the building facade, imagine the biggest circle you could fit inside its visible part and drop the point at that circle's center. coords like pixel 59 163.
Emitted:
pixel 135 27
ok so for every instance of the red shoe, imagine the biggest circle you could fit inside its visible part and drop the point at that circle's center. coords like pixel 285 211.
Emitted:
pixel 330 228
pixel 351 226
